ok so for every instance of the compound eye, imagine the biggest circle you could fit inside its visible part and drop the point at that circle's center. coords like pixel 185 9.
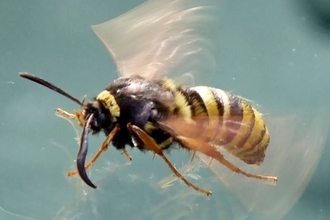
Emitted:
pixel 100 119
pixel 103 120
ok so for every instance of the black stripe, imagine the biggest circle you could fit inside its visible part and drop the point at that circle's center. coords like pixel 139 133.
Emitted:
pixel 262 134
pixel 255 158
pixel 256 143
pixel 247 135
pixel 194 100
pixel 183 91
pixel 235 117
pixel 198 110
pixel 170 140
pixel 219 101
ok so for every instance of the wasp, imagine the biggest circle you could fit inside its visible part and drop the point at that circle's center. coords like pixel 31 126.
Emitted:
pixel 145 109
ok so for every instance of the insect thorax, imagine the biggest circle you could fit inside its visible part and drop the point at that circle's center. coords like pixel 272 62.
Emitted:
pixel 141 103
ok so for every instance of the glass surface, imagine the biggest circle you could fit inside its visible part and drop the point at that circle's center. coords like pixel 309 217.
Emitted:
pixel 275 53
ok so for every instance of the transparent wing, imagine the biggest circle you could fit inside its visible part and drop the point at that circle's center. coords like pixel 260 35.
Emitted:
pixel 294 152
pixel 162 38
pixel 230 133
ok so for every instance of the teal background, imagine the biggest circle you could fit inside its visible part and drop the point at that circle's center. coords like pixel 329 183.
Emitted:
pixel 275 52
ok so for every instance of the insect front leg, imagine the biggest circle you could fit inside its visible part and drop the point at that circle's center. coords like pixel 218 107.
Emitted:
pixel 61 112
pixel 151 145
pixel 102 149
pixel 78 115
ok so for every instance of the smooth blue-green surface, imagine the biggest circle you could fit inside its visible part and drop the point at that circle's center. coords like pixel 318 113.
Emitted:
pixel 274 52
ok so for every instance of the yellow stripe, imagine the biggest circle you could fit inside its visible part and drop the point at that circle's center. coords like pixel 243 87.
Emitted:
pixel 212 111
pixel 261 146
pixel 258 131
pixel 257 142
pixel 209 100
pixel 168 84
pixel 182 105
pixel 243 131
pixel 225 117
pixel 258 153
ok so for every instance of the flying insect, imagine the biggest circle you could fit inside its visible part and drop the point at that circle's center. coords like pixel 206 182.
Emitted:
pixel 145 109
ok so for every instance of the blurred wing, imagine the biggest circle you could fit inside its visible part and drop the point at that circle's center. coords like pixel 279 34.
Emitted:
pixel 162 38
pixel 229 133
pixel 294 152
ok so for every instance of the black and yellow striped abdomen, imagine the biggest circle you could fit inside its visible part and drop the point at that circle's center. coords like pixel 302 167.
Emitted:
pixel 228 121
pixel 218 117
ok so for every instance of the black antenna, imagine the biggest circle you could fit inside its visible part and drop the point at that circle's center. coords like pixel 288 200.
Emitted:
pixel 48 85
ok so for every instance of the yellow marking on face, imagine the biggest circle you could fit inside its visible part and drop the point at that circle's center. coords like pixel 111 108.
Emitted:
pixel 109 102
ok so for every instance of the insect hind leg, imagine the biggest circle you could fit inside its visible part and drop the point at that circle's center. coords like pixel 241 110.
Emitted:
pixel 152 146
pixel 211 151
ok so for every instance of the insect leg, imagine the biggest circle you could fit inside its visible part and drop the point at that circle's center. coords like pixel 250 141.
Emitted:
pixel 209 150
pixel 213 153
pixel 102 149
pixel 64 113
pixel 79 115
pixel 129 157
pixel 152 146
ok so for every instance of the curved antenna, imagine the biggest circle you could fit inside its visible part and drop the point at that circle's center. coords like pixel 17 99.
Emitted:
pixel 83 152
pixel 48 85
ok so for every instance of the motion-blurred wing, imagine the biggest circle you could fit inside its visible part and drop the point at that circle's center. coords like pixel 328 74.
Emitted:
pixel 294 152
pixel 162 37
pixel 230 133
